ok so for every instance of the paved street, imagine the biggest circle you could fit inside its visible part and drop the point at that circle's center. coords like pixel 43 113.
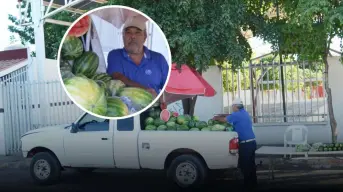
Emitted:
pixel 18 179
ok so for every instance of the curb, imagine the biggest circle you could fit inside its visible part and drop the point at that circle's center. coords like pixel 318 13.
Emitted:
pixel 21 164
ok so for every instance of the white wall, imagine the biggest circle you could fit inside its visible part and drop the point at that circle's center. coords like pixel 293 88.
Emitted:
pixel 205 107
pixel 335 81
pixel 50 70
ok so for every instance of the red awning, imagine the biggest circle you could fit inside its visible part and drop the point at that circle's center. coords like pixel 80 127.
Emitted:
pixel 186 84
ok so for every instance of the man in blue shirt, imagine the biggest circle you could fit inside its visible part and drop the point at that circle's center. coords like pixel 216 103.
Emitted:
pixel 135 65
pixel 242 124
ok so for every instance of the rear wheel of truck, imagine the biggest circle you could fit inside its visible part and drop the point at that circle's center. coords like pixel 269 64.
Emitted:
pixel 45 168
pixel 187 171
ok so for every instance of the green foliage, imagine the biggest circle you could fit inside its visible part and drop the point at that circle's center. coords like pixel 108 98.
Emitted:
pixel 200 32
pixel 53 33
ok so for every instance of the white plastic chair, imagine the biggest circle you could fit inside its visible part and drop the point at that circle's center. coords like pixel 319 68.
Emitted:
pixel 299 136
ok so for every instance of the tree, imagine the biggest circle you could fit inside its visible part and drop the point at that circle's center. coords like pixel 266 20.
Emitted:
pixel 306 29
pixel 53 33
pixel 200 33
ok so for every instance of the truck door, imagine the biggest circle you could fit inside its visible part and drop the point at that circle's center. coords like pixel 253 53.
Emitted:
pixel 91 145
pixel 125 143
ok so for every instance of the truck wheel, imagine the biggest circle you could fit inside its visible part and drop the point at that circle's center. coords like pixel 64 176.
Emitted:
pixel 187 171
pixel 45 168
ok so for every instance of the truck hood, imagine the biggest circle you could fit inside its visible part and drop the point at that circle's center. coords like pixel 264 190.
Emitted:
pixel 47 129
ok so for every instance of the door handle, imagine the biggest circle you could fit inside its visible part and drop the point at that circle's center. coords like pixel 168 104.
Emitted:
pixel 104 138
pixel 146 146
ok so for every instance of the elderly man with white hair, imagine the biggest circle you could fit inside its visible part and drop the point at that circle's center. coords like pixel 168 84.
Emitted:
pixel 242 124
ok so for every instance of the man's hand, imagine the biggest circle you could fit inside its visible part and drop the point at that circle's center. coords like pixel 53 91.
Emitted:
pixel 219 118
pixel 152 91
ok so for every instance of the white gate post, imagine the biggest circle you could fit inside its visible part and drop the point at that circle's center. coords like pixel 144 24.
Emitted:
pixel 2 122
pixel 38 25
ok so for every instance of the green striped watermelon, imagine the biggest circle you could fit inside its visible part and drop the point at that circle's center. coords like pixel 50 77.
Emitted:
pixel 138 96
pixel 65 69
pixel 102 77
pixel 116 107
pixel 72 48
pixel 86 64
pixel 87 93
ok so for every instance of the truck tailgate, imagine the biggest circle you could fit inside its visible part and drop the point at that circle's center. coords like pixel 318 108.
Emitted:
pixel 155 146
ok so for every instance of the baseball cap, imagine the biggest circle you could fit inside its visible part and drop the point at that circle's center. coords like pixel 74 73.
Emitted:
pixel 237 102
pixel 135 22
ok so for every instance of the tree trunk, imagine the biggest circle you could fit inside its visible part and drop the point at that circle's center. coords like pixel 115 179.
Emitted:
pixel 333 122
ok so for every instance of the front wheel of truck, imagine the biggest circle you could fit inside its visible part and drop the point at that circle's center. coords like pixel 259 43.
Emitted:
pixel 187 171
pixel 45 168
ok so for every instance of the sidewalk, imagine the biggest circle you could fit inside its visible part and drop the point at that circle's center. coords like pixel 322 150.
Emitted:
pixel 14 161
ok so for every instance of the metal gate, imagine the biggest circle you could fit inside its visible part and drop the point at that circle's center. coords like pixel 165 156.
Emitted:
pixel 276 91
pixel 32 105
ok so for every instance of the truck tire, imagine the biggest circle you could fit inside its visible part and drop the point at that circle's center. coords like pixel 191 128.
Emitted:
pixel 45 168
pixel 187 171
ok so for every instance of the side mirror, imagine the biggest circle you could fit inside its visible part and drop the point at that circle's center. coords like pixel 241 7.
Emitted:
pixel 74 128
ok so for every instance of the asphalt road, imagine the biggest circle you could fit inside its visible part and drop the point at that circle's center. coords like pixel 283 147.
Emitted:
pixel 12 179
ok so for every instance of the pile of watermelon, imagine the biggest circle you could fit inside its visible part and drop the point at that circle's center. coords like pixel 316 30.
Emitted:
pixel 154 122
pixel 97 92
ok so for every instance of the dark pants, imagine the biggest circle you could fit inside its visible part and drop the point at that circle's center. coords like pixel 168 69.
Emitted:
pixel 247 163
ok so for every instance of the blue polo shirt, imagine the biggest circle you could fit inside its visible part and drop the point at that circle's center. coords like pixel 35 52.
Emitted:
pixel 242 124
pixel 152 72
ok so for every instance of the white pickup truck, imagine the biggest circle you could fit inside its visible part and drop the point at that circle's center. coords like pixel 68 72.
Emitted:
pixel 187 157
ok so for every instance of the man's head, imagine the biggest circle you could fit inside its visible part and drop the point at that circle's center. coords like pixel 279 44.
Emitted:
pixel 237 105
pixel 134 35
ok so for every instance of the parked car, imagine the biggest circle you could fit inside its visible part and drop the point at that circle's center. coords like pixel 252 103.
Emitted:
pixel 187 157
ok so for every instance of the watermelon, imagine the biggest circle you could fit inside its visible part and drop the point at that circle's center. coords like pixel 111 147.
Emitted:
pixel 218 127
pixel 165 115
pixel 170 124
pixel 102 77
pixel 87 93
pixel 72 48
pixel 158 122
pixel 150 127
pixel 149 121
pixel 194 129
pixel 139 96
pixel 162 128
pixel 181 119
pixel 182 128
pixel 173 119
pixel 116 107
pixel 81 27
pixel 175 114
pixel 195 118
pixel 65 69
pixel 191 123
pixel 210 122
pixel 86 64
pixel 187 117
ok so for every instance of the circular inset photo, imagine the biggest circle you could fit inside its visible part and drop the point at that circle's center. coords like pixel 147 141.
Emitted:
pixel 114 62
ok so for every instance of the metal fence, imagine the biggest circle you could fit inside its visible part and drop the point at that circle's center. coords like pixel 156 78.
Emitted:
pixel 259 84
pixel 32 105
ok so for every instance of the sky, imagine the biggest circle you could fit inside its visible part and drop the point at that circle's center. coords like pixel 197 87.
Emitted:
pixel 259 47
pixel 6 8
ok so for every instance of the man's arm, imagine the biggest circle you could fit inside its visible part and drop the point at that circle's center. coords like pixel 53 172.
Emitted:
pixel 165 70
pixel 127 81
